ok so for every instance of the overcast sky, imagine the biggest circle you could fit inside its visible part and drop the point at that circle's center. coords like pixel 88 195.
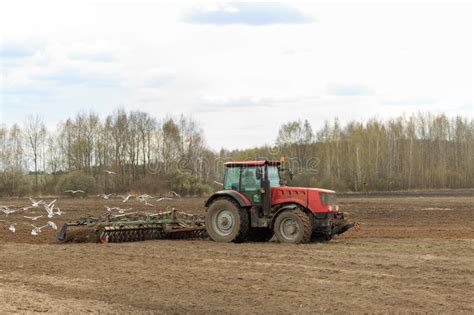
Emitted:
pixel 240 69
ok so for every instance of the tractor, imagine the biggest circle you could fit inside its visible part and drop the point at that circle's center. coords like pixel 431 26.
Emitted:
pixel 256 204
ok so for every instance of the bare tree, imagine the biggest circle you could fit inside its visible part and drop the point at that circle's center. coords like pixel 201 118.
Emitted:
pixel 35 130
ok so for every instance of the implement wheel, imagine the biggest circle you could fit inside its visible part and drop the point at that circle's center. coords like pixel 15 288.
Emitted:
pixel 293 226
pixel 226 221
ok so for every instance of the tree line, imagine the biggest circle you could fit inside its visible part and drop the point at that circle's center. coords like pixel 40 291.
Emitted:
pixel 134 151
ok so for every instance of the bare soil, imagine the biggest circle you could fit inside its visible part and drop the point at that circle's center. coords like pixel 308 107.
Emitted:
pixel 412 254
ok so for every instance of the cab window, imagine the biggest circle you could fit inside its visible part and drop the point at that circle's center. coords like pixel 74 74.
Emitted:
pixel 274 176
pixel 232 178
pixel 249 179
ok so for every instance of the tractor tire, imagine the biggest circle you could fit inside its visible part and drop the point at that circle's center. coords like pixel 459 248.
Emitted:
pixel 293 226
pixel 259 235
pixel 226 221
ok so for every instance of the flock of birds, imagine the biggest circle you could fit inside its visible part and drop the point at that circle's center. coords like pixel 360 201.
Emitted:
pixel 142 198
pixel 36 230
pixel 51 210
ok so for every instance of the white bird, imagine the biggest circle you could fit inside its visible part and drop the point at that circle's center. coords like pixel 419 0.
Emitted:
pixel 50 208
pixel 37 229
pixel 175 194
pixel 105 196
pixel 12 227
pixel 125 199
pixel 8 211
pixel 109 172
pixel 110 209
pixel 52 225
pixel 74 191
pixel 35 203
pixel 218 183
pixel 164 198
pixel 33 218
pixel 123 210
pixel 143 198
pixel 59 212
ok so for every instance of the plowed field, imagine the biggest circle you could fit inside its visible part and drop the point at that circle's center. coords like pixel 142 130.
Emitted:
pixel 412 253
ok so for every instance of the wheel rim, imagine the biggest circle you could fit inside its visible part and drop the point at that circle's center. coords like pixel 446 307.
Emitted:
pixel 289 229
pixel 224 222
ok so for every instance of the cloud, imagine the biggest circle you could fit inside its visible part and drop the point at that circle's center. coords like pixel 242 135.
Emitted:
pixel 243 103
pixel 22 91
pixel 247 13
pixel 74 78
pixel 341 89
pixel 157 83
pixel 94 57
pixel 414 101
pixel 14 50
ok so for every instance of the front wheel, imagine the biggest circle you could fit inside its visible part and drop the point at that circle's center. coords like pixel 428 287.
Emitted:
pixel 226 221
pixel 293 226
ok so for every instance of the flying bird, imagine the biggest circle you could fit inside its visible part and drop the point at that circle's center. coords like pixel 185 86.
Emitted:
pixel 105 196
pixel 52 225
pixel 33 218
pixel 125 199
pixel 175 194
pixel 35 203
pixel 37 229
pixel 50 208
pixel 74 191
pixel 164 198
pixel 12 227
pixel 8 211
pixel 109 172
pixel 123 210
pixel 59 212
pixel 109 209
pixel 143 198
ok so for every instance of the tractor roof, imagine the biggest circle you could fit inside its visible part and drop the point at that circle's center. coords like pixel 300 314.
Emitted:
pixel 251 163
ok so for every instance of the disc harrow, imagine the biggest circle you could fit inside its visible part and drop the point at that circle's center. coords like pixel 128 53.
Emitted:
pixel 134 227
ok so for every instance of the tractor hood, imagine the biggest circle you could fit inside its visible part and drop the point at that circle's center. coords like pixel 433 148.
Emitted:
pixel 315 199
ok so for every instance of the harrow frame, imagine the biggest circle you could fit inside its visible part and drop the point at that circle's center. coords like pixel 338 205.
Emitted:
pixel 133 227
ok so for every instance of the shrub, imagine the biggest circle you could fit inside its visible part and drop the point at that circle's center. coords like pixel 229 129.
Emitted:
pixel 188 185
pixel 14 183
pixel 76 181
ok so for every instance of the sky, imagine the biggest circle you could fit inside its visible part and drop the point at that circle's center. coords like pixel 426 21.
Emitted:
pixel 241 69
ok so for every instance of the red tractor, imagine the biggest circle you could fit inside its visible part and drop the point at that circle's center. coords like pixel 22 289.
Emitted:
pixel 256 204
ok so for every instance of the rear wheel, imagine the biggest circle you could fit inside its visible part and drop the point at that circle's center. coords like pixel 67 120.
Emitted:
pixel 293 226
pixel 226 221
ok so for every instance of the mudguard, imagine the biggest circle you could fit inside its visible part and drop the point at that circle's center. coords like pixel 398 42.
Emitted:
pixel 238 197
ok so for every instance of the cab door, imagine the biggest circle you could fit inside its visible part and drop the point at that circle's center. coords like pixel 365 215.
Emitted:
pixel 250 185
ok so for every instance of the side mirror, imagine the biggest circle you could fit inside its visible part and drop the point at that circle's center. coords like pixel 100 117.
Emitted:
pixel 258 173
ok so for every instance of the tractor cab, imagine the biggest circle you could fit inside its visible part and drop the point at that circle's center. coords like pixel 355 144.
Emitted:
pixel 248 178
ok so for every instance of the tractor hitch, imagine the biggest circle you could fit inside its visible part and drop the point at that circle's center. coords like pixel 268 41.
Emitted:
pixel 342 228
